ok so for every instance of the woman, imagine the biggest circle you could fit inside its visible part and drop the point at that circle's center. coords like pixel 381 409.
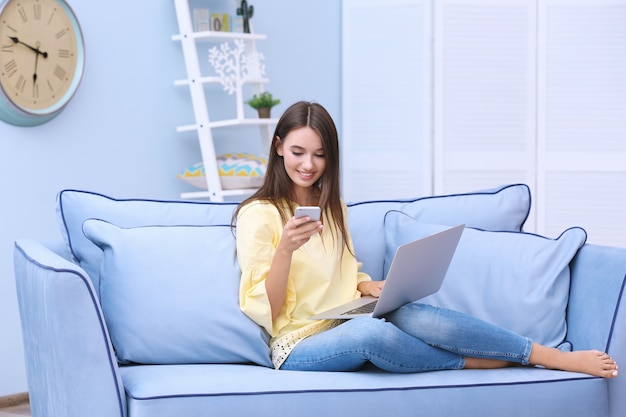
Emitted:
pixel 293 268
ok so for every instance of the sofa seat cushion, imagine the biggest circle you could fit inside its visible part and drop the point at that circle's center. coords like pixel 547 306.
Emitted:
pixel 517 280
pixel 241 390
pixel 170 294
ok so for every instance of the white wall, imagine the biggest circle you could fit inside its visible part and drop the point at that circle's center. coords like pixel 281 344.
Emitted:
pixel 118 134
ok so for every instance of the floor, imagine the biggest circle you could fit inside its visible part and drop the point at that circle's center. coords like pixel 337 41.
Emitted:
pixel 18 410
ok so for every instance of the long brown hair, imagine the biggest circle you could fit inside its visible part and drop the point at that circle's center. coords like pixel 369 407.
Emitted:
pixel 278 188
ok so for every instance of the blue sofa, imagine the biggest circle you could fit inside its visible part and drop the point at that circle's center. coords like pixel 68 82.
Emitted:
pixel 135 313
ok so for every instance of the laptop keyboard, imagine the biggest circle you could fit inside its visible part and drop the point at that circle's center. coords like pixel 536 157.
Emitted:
pixel 365 308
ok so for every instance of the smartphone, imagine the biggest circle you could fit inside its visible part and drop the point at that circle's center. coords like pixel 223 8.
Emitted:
pixel 312 211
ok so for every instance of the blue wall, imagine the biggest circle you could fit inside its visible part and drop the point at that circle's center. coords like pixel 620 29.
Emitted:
pixel 118 134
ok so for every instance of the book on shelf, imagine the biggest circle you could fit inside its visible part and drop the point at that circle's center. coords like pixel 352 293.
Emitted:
pixel 220 22
pixel 201 20
pixel 237 24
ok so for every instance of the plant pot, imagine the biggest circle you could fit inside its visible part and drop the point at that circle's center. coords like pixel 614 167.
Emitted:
pixel 264 112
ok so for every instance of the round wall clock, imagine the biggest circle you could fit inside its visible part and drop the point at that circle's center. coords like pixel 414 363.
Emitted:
pixel 41 60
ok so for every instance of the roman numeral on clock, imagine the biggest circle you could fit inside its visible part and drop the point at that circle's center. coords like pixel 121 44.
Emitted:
pixel 23 15
pixel 37 11
pixel 20 84
pixel 60 72
pixel 51 16
pixel 10 68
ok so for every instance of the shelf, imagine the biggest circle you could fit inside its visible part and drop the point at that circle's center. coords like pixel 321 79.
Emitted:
pixel 208 194
pixel 214 35
pixel 229 123
pixel 200 83
pixel 209 80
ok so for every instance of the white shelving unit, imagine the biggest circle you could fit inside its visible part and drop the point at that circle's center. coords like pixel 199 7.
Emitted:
pixel 196 82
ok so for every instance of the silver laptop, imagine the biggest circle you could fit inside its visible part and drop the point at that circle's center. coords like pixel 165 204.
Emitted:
pixel 417 270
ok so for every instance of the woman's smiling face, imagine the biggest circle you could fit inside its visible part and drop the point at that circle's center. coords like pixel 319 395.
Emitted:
pixel 304 158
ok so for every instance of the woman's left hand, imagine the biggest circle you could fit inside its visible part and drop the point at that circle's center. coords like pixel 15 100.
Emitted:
pixel 373 288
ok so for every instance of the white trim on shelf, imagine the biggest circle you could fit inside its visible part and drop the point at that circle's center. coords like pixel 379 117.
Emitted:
pixel 211 195
pixel 229 123
pixel 209 80
pixel 212 35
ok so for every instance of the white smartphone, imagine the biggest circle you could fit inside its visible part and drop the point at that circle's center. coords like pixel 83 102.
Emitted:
pixel 312 211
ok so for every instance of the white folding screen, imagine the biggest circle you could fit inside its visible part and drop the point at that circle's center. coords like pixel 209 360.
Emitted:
pixel 530 91
pixel 386 90
pixel 485 94
pixel 582 118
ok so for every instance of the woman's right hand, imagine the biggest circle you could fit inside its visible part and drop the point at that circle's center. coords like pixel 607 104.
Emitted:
pixel 295 234
pixel 298 231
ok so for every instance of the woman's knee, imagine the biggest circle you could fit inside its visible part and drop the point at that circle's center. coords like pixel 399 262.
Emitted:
pixel 414 313
pixel 369 332
pixel 422 321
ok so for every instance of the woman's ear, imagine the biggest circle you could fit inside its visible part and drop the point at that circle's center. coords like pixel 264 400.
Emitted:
pixel 279 146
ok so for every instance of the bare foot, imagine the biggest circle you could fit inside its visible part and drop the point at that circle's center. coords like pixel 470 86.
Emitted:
pixel 592 362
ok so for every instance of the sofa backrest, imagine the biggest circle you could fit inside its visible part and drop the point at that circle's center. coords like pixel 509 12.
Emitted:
pixel 75 206
pixel 503 208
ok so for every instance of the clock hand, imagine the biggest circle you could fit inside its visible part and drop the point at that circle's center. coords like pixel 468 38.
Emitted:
pixel 35 73
pixel 36 50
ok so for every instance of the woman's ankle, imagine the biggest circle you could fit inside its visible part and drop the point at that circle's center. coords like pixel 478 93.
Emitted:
pixel 480 363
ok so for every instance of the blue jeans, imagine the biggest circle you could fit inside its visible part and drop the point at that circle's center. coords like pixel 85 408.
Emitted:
pixel 414 338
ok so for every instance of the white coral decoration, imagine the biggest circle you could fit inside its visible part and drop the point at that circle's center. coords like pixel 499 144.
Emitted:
pixel 233 67
pixel 252 66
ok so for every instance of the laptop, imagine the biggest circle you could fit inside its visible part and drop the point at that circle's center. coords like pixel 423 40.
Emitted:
pixel 417 270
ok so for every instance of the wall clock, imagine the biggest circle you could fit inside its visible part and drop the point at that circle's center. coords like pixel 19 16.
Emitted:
pixel 41 60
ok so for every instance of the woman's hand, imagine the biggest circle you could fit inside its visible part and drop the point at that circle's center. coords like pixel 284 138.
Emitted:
pixel 297 232
pixel 373 288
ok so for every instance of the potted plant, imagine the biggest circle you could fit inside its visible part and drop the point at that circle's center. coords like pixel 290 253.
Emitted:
pixel 263 102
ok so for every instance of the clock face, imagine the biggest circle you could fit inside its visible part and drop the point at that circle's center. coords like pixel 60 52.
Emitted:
pixel 41 56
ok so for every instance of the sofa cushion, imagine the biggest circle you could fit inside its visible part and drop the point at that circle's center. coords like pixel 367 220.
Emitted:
pixel 170 294
pixel 502 208
pixel 74 207
pixel 240 390
pixel 517 280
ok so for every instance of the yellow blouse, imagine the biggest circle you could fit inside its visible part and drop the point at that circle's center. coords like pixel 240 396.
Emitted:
pixel 322 276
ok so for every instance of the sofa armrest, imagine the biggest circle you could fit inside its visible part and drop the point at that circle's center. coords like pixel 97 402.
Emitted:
pixel 70 364
pixel 596 316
